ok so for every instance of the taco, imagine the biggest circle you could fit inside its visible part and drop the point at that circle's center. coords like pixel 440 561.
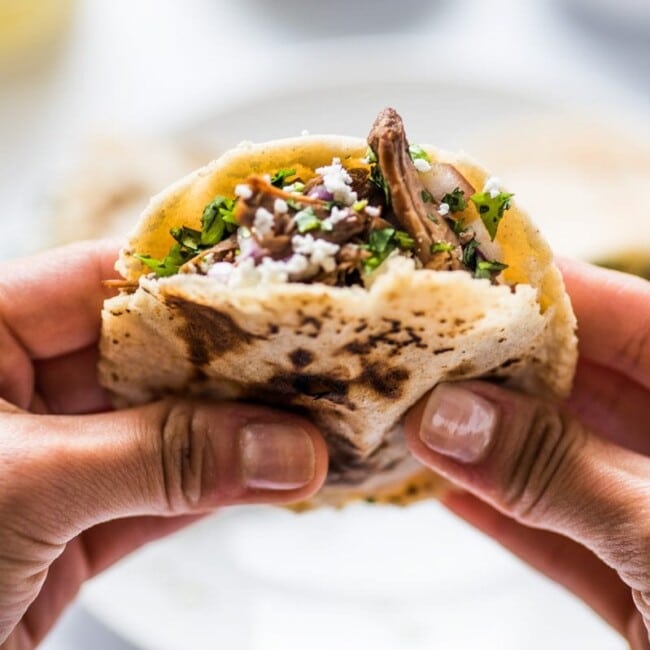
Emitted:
pixel 342 279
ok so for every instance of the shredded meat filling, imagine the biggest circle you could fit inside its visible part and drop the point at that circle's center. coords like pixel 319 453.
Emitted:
pixel 387 139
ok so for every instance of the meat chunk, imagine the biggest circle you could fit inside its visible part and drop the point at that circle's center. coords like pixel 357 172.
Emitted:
pixel 388 141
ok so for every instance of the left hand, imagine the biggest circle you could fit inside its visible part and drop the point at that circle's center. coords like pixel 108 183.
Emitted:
pixel 81 486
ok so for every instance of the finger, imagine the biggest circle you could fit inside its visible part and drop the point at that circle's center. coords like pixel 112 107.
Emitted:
pixel 86 556
pixel 612 405
pixel 68 384
pixel 51 302
pixel 564 561
pixel 106 543
pixel 66 474
pixel 613 311
pixel 529 461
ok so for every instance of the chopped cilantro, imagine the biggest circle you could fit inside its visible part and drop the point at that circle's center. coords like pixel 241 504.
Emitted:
pixel 294 188
pixel 469 254
pixel 418 153
pixel 379 240
pixel 170 264
pixel 432 217
pixel 278 179
pixel 377 179
pixel 382 242
pixel 218 217
pixel 187 238
pixel 307 220
pixel 458 226
pixel 294 205
pixel 426 196
pixel 442 247
pixel 217 220
pixel 403 239
pixel 455 200
pixel 488 269
pixel 491 209
pixel 370 156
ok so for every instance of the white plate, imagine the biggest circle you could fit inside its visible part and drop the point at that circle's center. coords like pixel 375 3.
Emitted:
pixel 366 577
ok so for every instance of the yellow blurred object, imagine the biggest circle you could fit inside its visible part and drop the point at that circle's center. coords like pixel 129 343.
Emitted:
pixel 27 25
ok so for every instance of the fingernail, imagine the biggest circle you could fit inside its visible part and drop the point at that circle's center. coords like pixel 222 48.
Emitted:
pixel 276 456
pixel 458 423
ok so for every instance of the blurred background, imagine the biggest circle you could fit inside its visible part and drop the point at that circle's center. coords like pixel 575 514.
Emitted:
pixel 102 104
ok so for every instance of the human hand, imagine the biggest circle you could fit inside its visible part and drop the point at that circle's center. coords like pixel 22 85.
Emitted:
pixel 581 475
pixel 81 486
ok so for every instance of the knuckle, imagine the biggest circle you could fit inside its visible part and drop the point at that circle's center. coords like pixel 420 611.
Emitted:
pixel 183 445
pixel 541 465
pixel 628 550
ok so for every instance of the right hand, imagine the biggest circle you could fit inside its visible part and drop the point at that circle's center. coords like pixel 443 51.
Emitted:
pixel 566 490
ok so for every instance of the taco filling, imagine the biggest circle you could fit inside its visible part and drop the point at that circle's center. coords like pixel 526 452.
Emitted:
pixel 341 223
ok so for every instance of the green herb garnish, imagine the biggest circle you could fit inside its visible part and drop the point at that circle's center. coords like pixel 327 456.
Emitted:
pixel 383 242
pixel 217 220
pixel 307 220
pixel 278 179
pixel 218 217
pixel 370 156
pixel 377 179
pixel 404 240
pixel 442 247
pixel 187 238
pixel 487 269
pixel 418 153
pixel 432 217
pixel 458 226
pixel 455 200
pixel 491 209
pixel 295 188
pixel 427 197
pixel 170 264
pixel 469 254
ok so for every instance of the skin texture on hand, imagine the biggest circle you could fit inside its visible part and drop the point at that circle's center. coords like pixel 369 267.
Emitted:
pixel 80 486
pixel 567 488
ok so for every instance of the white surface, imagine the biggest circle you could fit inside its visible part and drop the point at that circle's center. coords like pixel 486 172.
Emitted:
pixel 153 65
pixel 366 577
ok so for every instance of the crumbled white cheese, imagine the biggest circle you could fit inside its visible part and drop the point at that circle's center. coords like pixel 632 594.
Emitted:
pixel 244 241
pixel 244 191
pixel 221 271
pixel 303 244
pixel 321 252
pixel 492 187
pixel 263 222
pixel 304 132
pixel 294 188
pixel 267 177
pixel 337 181
pixel 336 215
pixel 372 211
pixel 422 165
pixel 280 206
pixel 443 210
pixel 244 275
pixel 273 271
pixel 297 264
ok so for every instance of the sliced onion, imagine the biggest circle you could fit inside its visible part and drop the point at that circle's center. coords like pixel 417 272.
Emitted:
pixel 321 193
pixel 444 179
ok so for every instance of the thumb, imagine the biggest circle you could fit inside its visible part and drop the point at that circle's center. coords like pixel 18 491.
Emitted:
pixel 530 461
pixel 66 474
